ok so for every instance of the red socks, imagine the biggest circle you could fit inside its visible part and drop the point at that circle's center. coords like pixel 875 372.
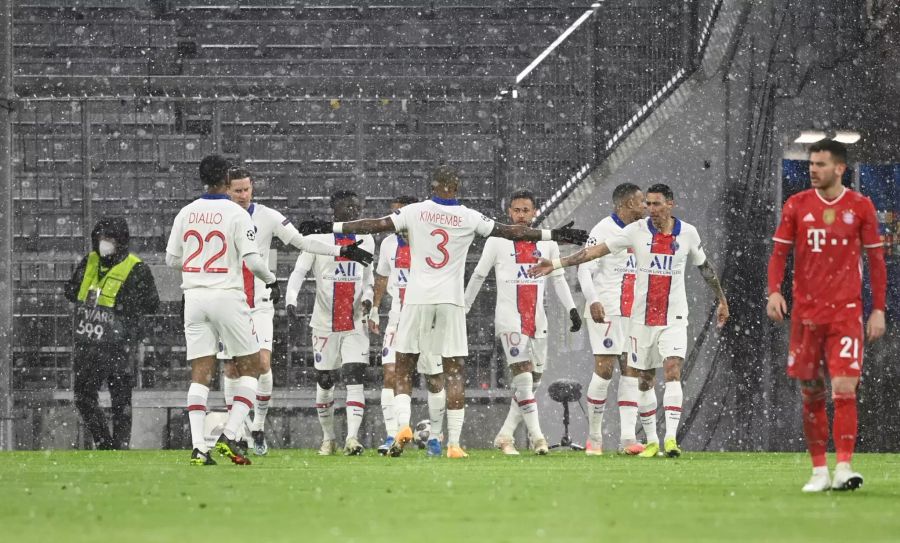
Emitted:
pixel 815 424
pixel 844 428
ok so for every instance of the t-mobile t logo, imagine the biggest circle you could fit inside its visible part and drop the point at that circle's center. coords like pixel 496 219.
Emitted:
pixel 816 238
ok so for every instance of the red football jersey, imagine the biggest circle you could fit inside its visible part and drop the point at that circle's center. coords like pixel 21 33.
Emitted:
pixel 828 239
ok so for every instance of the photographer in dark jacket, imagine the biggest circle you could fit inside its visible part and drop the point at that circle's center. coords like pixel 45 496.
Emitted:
pixel 111 289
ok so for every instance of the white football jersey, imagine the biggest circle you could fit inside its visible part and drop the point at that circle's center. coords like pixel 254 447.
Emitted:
pixel 520 299
pixel 341 284
pixel 269 223
pixel 393 263
pixel 211 236
pixel 661 261
pixel 439 233
pixel 612 276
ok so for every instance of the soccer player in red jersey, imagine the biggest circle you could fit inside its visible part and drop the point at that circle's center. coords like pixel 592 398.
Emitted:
pixel 828 226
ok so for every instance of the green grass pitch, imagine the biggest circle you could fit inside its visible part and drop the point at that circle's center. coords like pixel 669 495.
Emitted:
pixel 294 495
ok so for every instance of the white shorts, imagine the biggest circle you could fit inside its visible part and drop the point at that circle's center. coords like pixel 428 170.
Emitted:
pixel 428 364
pixel 651 345
pixel 414 331
pixel 333 349
pixel 610 337
pixel 518 347
pixel 214 314
pixel 263 319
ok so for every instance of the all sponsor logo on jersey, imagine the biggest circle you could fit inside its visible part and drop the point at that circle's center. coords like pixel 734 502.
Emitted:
pixel 401 276
pixel 661 265
pixel 816 238
pixel 344 271
pixel 522 277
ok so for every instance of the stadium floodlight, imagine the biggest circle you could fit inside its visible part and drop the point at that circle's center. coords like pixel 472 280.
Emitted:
pixel 810 136
pixel 847 136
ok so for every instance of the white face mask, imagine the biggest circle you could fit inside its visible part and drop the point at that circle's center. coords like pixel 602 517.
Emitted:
pixel 106 248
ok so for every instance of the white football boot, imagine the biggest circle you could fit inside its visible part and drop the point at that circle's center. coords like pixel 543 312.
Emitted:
pixel 845 478
pixel 819 482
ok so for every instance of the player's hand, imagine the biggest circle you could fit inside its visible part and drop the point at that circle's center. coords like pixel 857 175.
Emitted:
pixel 776 308
pixel 567 234
pixel 722 314
pixel 366 307
pixel 292 311
pixel 542 268
pixel 374 327
pixel 875 326
pixel 274 292
pixel 315 227
pixel 598 314
pixel 576 320
pixel 353 252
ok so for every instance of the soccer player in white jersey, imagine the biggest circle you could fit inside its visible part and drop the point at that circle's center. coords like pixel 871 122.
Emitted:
pixel 520 322
pixel 269 223
pixel 391 277
pixel 439 231
pixel 662 246
pixel 339 336
pixel 608 287
pixel 212 239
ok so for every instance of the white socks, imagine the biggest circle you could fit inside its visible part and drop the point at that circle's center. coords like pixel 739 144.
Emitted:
pixel 356 408
pixel 387 411
pixel 263 397
pixel 196 406
pixel 228 386
pixel 672 400
pixel 596 399
pixel 402 409
pixel 244 393
pixel 437 406
pixel 455 419
pixel 647 410
pixel 513 418
pixel 523 390
pixel 628 407
pixel 325 410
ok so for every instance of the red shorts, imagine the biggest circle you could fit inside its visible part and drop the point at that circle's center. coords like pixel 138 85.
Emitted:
pixel 837 344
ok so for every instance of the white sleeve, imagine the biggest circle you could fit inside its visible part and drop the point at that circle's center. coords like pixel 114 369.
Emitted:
pixel 283 230
pixel 484 225
pixel 173 261
pixel 482 269
pixel 309 245
pixel 175 245
pixel 244 232
pixel 383 268
pixel 586 280
pixel 295 281
pixel 623 239
pixel 368 293
pixel 698 256
pixel 562 291
pixel 400 218
pixel 260 269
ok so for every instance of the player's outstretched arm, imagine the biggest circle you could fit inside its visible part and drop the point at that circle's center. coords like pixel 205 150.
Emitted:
pixel 564 234
pixel 362 226
pixel 709 275
pixel 544 266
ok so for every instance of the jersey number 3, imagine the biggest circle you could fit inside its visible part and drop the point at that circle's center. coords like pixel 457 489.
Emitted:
pixel 442 247
pixel 207 266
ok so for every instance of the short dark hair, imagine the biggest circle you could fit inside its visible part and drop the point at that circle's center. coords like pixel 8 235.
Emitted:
pixel 214 170
pixel 660 188
pixel 238 173
pixel 523 194
pixel 342 195
pixel 837 149
pixel 445 175
pixel 624 192
pixel 405 200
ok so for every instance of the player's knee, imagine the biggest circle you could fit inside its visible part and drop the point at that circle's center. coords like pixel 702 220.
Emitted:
pixel 812 394
pixel 435 383
pixel 230 370
pixel 325 379
pixel 354 373
pixel 520 367
pixel 842 388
